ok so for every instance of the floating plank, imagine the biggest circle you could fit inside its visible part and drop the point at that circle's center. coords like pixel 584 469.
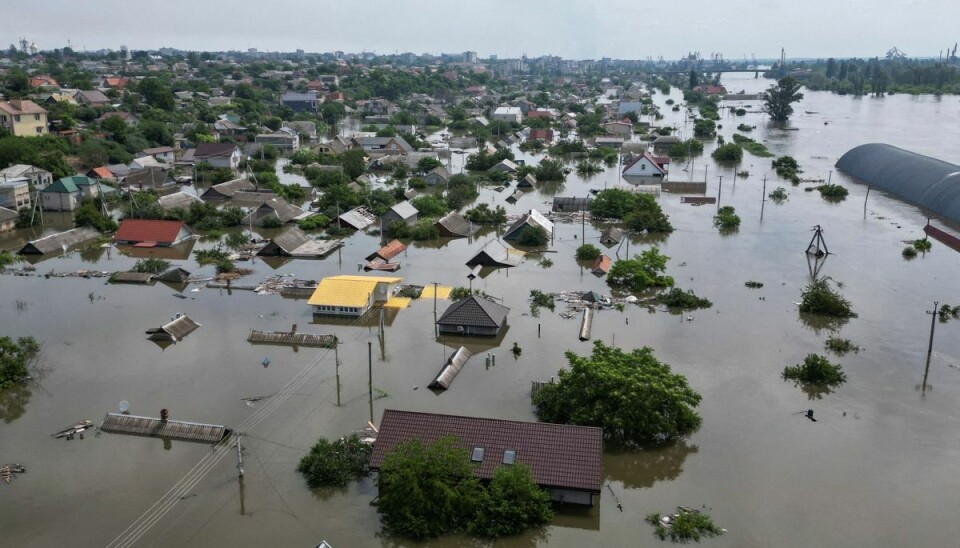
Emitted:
pixel 292 338
pixel 456 362
pixel 178 430
pixel 586 324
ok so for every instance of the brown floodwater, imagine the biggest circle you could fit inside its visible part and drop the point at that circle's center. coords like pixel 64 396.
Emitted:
pixel 878 468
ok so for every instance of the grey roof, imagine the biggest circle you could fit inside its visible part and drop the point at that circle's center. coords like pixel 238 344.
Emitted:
pixel 178 200
pixel 404 210
pixel 150 177
pixel 290 240
pixel 214 150
pixel 532 218
pixel 8 215
pixel 175 330
pixel 275 207
pixel 358 218
pixel 611 235
pixel 626 107
pixel 228 189
pixel 496 253
pixel 454 224
pixel 564 203
pixel 474 311
pixel 57 242
pixel 295 96
pixel 175 274
pixel 927 182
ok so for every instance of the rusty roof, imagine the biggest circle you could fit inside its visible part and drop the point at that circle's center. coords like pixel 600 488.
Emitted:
pixel 559 455
pixel 389 251
pixel 148 230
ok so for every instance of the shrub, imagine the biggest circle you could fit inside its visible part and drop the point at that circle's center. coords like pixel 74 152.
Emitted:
pixel 313 222
pixel 588 252
pixel 151 265
pixel 704 128
pixel 641 272
pixel 224 266
pixel 730 152
pixel 334 464
pixel 15 357
pixel 820 298
pixel 540 299
pixel 744 127
pixel 210 256
pixel 757 149
pixel 481 214
pixel 549 170
pixel 271 222
pixel 923 245
pixel 787 168
pixel 588 168
pixel 678 298
pixel 779 195
pixel 726 219
pixel 424 230
pixel 841 346
pixel 684 527
pixel 534 237
pixel 429 206
pixel 815 369
pixel 832 191
pixel 236 240
pixel 909 252
pixel 753 285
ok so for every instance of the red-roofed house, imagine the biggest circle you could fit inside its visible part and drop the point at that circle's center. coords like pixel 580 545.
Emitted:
pixel 115 82
pixel 545 114
pixel 152 233
pixel 101 173
pixel 541 135
pixel 645 165
pixel 566 460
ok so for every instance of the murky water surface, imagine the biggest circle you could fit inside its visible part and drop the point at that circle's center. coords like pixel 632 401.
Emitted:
pixel 878 468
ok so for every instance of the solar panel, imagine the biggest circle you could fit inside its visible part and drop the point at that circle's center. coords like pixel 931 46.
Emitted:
pixel 509 456
pixel 477 454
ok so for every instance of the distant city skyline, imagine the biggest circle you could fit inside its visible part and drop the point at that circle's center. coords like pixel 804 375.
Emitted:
pixel 619 29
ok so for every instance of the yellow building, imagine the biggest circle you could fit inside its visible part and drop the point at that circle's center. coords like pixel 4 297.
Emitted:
pixel 351 295
pixel 23 118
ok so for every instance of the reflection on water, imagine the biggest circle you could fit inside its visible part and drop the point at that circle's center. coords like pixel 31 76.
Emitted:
pixel 643 468
pixel 13 402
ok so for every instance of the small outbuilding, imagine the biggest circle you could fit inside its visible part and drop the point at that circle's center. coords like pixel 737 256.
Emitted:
pixel 532 220
pixel 455 225
pixel 403 212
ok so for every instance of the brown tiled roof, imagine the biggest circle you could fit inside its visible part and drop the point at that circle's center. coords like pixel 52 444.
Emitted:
pixel 389 251
pixel 24 106
pixel 561 456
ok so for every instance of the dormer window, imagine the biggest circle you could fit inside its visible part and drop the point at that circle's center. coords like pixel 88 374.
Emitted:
pixel 509 456
pixel 477 454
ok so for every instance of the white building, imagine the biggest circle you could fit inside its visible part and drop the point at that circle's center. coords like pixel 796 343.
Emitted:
pixel 508 114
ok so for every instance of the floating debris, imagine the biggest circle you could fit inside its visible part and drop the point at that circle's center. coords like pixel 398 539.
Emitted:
pixel 77 428
pixel 9 471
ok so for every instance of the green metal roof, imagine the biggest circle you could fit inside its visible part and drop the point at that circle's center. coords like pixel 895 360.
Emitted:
pixel 72 184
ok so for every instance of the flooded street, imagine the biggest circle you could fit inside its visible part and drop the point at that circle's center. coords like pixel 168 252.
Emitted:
pixel 878 468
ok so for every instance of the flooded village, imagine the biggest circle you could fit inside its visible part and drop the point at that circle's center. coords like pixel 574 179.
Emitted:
pixel 224 257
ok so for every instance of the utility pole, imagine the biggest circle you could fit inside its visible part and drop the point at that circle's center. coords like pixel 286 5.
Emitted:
pixel 370 376
pixel 933 326
pixel 336 358
pixel 763 197
pixel 239 454
pixel 719 190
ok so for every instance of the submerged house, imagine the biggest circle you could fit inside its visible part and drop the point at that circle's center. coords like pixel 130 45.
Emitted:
pixel 403 212
pixel 533 220
pixel 357 218
pixel 294 242
pixel 276 209
pixel 496 253
pixel 59 242
pixel 645 165
pixel 351 296
pixel 152 233
pixel 473 315
pixel 65 194
pixel 454 225
pixel 565 460
pixel 225 191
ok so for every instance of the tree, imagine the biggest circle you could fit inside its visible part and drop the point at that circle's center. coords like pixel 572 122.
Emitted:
pixel 15 359
pixel 641 272
pixel 156 94
pixel 335 463
pixel 778 99
pixel 820 298
pixel 427 490
pixel 429 205
pixel 427 163
pixel 588 252
pixel 631 395
pixel 512 504
pixel 729 152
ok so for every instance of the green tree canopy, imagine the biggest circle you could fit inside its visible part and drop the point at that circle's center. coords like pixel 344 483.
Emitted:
pixel 641 272
pixel 631 395
pixel 778 100
pixel 15 359
pixel 335 463
pixel 512 504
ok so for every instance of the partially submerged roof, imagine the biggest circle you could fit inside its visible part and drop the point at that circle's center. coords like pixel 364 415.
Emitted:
pixel 178 200
pixel 558 455
pixel 564 203
pixel 474 311
pixel 60 241
pixel 357 218
pixel 404 210
pixel 927 182
pixel 285 242
pixel 496 253
pixel 228 189
pixel 389 251
pixel 450 369
pixel 351 291
pixel 149 230
pixel 174 330
pixel 532 218
pixel 602 265
pixel 175 275
pixel 277 208
pixel 454 224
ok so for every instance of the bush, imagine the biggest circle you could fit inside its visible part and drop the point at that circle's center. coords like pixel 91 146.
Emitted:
pixel 704 128
pixel 224 266
pixel 726 219
pixel 533 237
pixel 909 252
pixel 684 527
pixel 923 245
pixel 815 369
pixel 550 170
pixel 512 503
pixel 236 240
pixel 334 464
pixel 730 152
pixel 588 168
pixel 15 357
pixel 744 127
pixel 210 256
pixel 779 195
pixel 686 148
pixel 429 206
pixel 540 299
pixel 832 191
pixel 757 149
pixel 424 230
pixel 753 285
pixel 151 265
pixel 461 190
pixel 271 222
pixel 483 215
pixel 687 300
pixel 89 214
pixel 641 211
pixel 313 222
pixel 841 346
pixel 787 168
pixel 819 298
pixel 588 252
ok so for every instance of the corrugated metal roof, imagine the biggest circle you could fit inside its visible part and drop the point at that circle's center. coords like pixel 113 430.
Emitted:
pixel 290 240
pixel 274 207
pixel 178 200
pixel 59 242
pixel 475 312
pixel 921 180
pixel 450 369
pixel 174 330
pixel 496 253
pixel 357 218
pixel 353 291
pixel 454 224
pixel 559 455
pixel 404 210
pixel 533 218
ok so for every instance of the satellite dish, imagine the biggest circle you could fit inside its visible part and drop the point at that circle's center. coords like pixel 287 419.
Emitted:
pixel 124 406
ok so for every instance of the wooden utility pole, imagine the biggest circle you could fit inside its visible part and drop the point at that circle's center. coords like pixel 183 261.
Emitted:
pixel 719 190
pixel 336 358
pixel 933 326
pixel 239 454
pixel 763 197
pixel 370 376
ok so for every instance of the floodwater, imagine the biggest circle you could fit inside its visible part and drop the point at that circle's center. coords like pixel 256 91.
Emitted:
pixel 878 468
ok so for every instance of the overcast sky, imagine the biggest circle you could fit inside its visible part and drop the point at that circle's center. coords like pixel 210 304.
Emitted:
pixel 576 29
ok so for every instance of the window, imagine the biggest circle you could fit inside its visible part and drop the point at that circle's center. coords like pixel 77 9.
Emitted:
pixel 16 117
pixel 509 456
pixel 36 117
pixel 643 166
pixel 39 129
pixel 477 454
